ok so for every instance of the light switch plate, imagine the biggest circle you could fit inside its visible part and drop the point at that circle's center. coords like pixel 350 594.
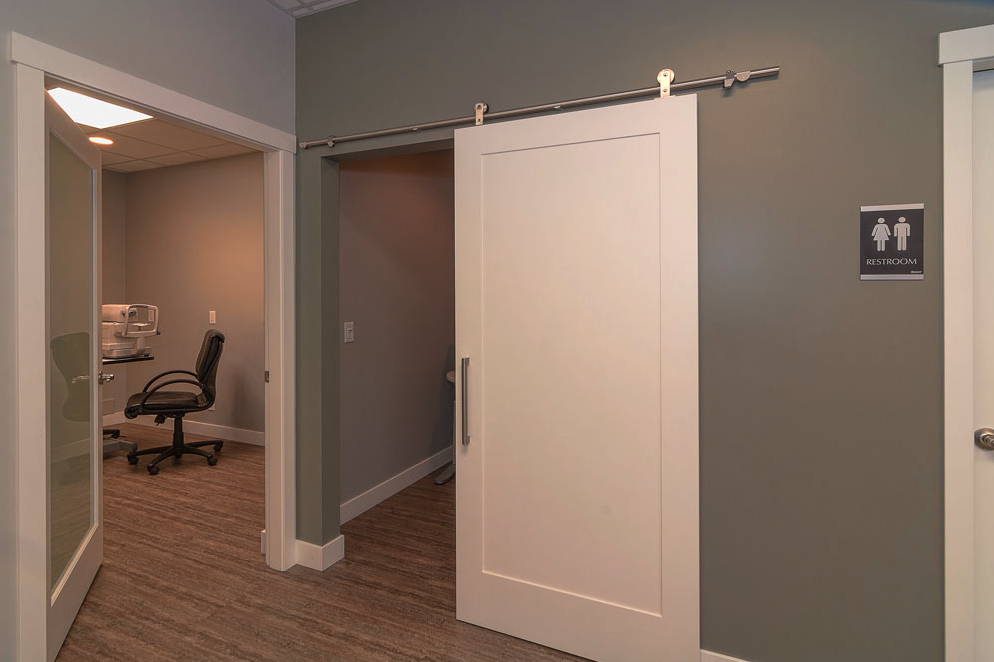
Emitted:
pixel 350 332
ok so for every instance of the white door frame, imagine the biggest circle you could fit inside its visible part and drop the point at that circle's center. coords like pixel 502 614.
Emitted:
pixel 961 53
pixel 34 60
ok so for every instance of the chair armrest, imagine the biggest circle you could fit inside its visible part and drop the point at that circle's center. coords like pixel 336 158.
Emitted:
pixel 202 387
pixel 167 372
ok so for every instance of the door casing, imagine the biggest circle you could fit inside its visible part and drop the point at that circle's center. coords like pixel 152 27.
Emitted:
pixel 34 61
pixel 961 53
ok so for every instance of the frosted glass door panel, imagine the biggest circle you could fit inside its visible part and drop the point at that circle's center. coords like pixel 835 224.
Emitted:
pixel 71 186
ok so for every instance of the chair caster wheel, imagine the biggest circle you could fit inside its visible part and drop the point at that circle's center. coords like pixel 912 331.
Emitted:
pixel 132 460
pixel 217 447
pixel 152 470
pixel 212 461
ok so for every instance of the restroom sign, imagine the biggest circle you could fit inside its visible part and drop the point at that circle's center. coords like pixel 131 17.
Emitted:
pixel 891 242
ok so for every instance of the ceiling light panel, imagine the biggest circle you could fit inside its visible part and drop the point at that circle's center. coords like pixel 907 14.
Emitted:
pixel 93 112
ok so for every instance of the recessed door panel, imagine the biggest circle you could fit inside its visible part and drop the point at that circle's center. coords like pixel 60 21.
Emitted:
pixel 576 307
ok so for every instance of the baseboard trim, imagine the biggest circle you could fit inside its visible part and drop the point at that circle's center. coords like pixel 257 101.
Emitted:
pixel 222 432
pixel 114 419
pixel 360 504
pixel 198 427
pixel 707 656
pixel 320 557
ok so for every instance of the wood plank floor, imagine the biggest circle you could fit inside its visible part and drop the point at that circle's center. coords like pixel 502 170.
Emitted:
pixel 183 578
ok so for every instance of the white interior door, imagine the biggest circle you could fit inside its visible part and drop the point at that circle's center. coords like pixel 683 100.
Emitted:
pixel 983 405
pixel 576 306
pixel 75 523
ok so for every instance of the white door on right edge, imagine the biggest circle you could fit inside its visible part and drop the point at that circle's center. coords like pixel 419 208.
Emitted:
pixel 983 320
pixel 576 307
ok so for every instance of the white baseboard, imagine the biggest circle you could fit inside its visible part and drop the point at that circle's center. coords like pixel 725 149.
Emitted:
pixel 114 419
pixel 252 437
pixel 320 557
pixel 360 504
pixel 197 427
pixel 707 656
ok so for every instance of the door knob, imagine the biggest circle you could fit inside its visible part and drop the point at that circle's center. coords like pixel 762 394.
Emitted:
pixel 984 439
pixel 104 378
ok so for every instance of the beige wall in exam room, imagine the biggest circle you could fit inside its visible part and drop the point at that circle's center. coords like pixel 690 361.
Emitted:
pixel 194 243
pixel 112 285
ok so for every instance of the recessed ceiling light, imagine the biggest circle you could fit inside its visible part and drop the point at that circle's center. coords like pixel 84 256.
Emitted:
pixel 101 141
pixel 93 112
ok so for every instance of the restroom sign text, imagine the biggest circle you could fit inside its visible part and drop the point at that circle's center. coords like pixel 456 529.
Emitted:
pixel 892 242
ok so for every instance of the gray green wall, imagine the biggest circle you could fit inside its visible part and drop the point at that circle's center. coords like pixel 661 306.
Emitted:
pixel 397 284
pixel 821 436
pixel 235 54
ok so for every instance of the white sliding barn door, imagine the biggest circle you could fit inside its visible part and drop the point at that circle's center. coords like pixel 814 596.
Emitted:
pixel 576 305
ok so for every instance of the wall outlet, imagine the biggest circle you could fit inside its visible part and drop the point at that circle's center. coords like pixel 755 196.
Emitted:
pixel 350 332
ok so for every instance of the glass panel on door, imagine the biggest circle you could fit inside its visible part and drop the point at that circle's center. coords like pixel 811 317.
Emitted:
pixel 69 236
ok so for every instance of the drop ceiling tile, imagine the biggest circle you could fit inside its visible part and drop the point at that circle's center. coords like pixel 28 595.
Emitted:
pixel 110 158
pixel 221 151
pixel 158 132
pixel 176 159
pixel 133 166
pixel 136 149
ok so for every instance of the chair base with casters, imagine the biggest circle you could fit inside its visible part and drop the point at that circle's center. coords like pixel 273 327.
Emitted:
pixel 178 449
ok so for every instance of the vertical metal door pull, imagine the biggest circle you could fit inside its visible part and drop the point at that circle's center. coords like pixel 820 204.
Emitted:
pixel 465 401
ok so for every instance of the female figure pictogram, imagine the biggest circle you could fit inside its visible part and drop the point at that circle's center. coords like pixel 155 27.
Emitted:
pixel 881 233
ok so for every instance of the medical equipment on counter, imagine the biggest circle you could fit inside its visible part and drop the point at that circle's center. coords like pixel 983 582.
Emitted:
pixel 126 329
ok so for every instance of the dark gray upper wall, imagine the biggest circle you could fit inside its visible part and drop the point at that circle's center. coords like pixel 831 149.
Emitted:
pixel 234 54
pixel 821 438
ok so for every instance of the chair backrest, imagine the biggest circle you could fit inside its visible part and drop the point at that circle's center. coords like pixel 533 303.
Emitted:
pixel 71 354
pixel 209 358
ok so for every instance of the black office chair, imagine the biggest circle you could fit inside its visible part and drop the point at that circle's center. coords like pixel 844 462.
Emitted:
pixel 176 404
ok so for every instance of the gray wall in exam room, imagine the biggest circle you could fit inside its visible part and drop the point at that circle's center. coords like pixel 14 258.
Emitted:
pixel 397 284
pixel 235 54
pixel 821 437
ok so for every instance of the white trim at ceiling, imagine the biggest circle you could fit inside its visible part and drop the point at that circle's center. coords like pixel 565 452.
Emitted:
pixel 38 55
pixel 299 8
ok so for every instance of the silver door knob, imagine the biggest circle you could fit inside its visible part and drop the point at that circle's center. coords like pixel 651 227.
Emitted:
pixel 984 439
pixel 104 378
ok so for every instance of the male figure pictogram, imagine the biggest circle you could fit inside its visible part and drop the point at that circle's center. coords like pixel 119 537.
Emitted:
pixel 902 230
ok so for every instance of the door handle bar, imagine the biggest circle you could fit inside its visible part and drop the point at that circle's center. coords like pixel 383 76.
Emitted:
pixel 465 401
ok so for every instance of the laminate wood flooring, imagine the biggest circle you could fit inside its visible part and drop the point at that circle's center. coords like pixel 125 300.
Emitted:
pixel 183 578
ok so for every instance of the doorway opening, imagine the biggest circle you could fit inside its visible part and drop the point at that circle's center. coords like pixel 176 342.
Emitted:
pixel 396 322
pixel 36 64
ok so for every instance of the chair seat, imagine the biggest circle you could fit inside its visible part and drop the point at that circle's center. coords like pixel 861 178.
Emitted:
pixel 164 402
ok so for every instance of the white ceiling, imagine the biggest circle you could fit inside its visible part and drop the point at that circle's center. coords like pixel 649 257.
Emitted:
pixel 156 143
pixel 297 8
